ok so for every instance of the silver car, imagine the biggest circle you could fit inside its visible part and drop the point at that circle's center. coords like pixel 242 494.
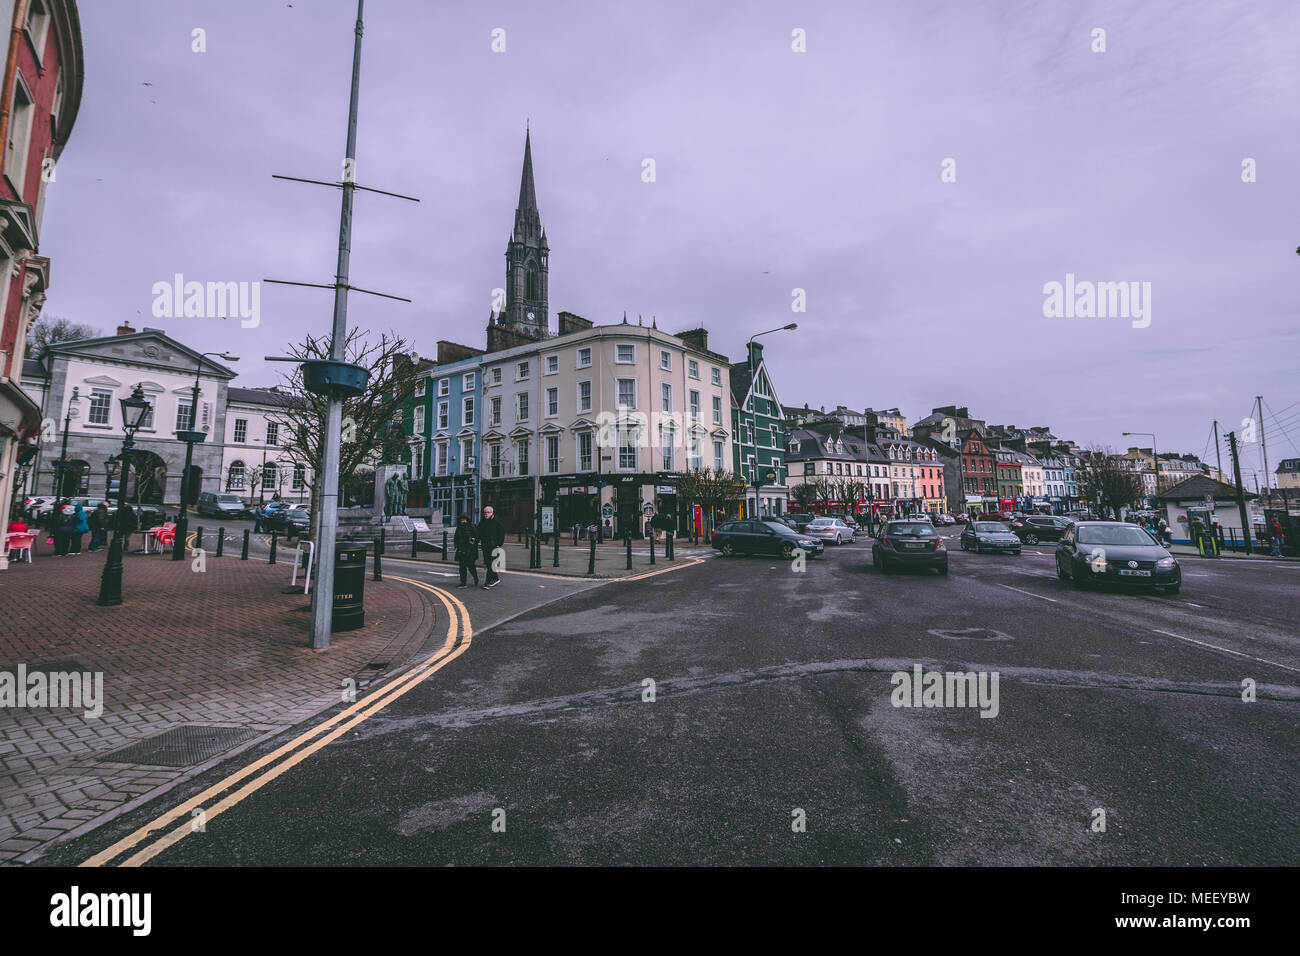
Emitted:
pixel 830 529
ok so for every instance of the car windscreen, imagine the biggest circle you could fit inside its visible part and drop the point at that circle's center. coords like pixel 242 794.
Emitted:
pixel 992 527
pixel 820 523
pixel 296 514
pixel 1118 535
pixel 910 529
pixel 228 499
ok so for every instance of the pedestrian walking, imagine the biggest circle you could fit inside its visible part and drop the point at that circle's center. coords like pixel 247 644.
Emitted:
pixel 125 525
pixel 80 526
pixel 98 522
pixel 466 550
pixel 491 535
pixel 1278 540
pixel 65 522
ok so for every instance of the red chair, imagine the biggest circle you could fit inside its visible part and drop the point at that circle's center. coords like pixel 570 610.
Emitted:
pixel 20 541
pixel 164 534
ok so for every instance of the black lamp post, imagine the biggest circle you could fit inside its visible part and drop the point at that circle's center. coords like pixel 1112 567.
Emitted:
pixel 191 436
pixel 134 411
pixel 73 412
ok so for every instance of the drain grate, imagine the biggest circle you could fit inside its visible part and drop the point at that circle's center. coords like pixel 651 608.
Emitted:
pixel 181 746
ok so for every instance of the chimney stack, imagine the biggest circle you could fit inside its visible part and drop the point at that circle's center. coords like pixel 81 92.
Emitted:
pixel 125 328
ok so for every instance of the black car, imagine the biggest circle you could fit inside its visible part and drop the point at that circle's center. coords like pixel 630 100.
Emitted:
pixel 762 537
pixel 1032 529
pixel 981 536
pixel 291 522
pixel 1095 552
pixel 909 544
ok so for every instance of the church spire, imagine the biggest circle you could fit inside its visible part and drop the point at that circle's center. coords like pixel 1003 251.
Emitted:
pixel 527 191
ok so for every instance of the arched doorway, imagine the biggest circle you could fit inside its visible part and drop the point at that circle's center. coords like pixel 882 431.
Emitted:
pixel 73 478
pixel 145 483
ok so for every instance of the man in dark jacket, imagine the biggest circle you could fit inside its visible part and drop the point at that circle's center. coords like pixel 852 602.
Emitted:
pixel 491 535
pixel 466 547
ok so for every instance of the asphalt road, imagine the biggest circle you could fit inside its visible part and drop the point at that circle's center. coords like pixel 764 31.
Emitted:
pixel 772 703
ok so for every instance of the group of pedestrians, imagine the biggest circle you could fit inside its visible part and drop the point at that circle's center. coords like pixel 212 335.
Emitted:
pixel 487 537
pixel 68 523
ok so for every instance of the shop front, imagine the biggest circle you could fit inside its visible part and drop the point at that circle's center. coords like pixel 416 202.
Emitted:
pixel 512 501
pixel 454 495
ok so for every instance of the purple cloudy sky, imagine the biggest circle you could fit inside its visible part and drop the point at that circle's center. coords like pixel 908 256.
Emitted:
pixel 775 171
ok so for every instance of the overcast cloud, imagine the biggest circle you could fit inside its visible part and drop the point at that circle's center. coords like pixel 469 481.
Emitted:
pixel 776 170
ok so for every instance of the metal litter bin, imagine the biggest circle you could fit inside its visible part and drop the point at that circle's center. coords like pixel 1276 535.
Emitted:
pixel 349 588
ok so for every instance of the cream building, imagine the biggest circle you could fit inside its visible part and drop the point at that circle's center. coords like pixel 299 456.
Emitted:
pixel 598 421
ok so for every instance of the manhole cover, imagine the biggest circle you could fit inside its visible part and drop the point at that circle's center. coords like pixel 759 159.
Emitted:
pixel 971 634
pixel 181 746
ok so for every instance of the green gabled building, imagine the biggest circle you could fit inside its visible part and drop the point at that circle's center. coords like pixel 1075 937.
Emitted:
pixel 758 436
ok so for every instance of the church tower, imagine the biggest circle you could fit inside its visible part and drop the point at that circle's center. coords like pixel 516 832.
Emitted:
pixel 526 260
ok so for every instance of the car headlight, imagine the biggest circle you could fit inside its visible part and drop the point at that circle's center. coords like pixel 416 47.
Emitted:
pixel 1167 563
pixel 805 543
pixel 985 541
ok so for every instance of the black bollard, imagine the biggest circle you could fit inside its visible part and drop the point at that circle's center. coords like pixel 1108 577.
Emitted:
pixel 591 556
pixel 669 553
pixel 555 562
pixel 379 561
pixel 627 540
pixel 243 555
pixel 274 539
pixel 414 544
pixel 652 547
pixel 221 540
pixel 444 545
pixel 198 539
pixel 383 539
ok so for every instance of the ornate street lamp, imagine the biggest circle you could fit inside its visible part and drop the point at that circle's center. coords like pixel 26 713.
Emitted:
pixel 190 436
pixel 134 411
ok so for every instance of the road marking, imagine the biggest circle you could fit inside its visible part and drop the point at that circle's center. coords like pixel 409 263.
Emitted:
pixel 1030 593
pixel 1226 650
pixel 459 638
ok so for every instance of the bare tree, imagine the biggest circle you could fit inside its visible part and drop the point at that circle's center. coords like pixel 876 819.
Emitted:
pixel 51 330
pixel 804 495
pixel 1105 481
pixel 713 491
pixel 371 421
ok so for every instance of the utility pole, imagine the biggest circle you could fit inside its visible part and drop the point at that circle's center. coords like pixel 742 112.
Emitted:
pixel 1218 453
pixel 335 377
pixel 1241 496
pixel 1259 406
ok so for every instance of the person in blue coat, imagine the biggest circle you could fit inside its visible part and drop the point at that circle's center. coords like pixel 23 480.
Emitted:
pixel 80 527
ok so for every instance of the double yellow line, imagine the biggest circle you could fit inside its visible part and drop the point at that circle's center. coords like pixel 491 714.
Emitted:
pixel 265 769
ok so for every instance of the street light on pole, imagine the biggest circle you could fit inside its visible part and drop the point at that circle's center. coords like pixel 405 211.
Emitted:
pixel 190 436
pixel 73 412
pixel 134 411
pixel 753 424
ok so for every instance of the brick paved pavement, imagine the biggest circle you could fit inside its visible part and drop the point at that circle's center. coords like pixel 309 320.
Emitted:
pixel 221 648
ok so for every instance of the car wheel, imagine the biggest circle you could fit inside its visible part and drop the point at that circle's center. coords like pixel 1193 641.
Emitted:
pixel 787 551
pixel 727 548
pixel 963 544
pixel 1031 539
pixel 838 539
pixel 885 567
pixel 979 549
pixel 1060 572
pixel 1173 589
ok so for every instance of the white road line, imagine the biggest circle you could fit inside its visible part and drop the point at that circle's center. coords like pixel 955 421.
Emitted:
pixel 1226 650
pixel 1030 593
